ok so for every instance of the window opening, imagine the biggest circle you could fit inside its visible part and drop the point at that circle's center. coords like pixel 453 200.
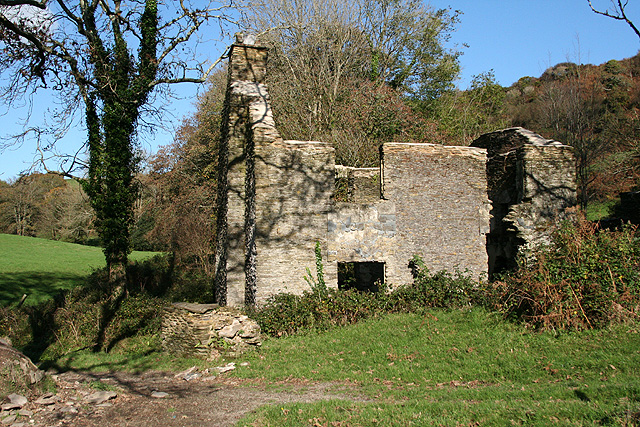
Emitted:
pixel 363 276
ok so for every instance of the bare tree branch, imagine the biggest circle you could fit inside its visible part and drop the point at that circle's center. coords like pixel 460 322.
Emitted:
pixel 203 77
pixel 618 13
pixel 34 3
pixel 60 58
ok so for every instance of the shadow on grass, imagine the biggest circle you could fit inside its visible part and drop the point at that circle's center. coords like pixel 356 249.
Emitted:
pixel 45 294
pixel 38 286
pixel 53 305
pixel 123 373
pixel 139 362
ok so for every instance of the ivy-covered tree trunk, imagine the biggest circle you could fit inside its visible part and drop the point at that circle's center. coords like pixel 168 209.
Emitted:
pixel 106 56
pixel 111 183
pixel 112 114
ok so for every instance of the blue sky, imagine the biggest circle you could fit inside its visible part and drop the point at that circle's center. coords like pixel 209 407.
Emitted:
pixel 514 38
pixel 518 38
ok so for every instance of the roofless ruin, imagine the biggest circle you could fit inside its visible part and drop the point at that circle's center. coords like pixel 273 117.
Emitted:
pixel 466 208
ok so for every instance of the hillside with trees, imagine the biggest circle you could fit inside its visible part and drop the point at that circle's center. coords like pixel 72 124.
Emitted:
pixel 595 110
pixel 356 76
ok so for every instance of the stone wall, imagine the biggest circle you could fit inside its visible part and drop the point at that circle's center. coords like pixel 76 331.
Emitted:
pixel 275 194
pixel 357 185
pixel 247 121
pixel 442 209
pixel 294 189
pixel 362 232
pixel 433 204
pixel 532 183
pixel 278 198
pixel 206 330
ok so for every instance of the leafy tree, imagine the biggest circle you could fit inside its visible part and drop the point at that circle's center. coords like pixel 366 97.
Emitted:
pixel 66 214
pixel 353 73
pixel 46 206
pixel 465 115
pixel 180 185
pixel 105 57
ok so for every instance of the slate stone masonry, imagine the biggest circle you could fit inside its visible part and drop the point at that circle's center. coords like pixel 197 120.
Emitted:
pixel 207 330
pixel 449 205
pixel 532 184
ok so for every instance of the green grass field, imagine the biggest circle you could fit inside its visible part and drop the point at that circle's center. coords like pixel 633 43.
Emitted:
pixel 455 368
pixel 41 268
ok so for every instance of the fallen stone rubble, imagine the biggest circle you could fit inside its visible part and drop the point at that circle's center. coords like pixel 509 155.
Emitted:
pixel 65 404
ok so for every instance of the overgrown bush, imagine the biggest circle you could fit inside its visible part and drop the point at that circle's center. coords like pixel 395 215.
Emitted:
pixel 586 278
pixel 73 321
pixel 441 289
pixel 286 314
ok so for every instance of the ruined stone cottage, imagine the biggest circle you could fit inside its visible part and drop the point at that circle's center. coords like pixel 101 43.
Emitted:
pixel 466 208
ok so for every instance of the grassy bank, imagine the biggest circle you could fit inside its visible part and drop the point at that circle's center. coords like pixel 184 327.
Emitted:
pixel 41 268
pixel 456 368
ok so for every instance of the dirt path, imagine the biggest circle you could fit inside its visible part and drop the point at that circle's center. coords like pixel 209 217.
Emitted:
pixel 205 401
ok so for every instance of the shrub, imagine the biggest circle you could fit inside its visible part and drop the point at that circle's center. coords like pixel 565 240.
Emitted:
pixel 442 289
pixel 318 286
pixel 162 276
pixel 287 314
pixel 584 279
pixel 321 308
pixel 72 322
pixel 88 317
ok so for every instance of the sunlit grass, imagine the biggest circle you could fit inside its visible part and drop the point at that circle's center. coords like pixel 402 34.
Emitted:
pixel 41 268
pixel 456 368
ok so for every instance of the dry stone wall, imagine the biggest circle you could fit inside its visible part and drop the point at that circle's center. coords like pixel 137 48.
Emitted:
pixel 247 121
pixel 207 330
pixel 532 184
pixel 294 187
pixel 362 232
pixel 357 185
pixel 433 204
pixel 442 209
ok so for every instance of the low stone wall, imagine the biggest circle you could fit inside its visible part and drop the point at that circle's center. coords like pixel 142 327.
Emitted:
pixel 17 371
pixel 207 330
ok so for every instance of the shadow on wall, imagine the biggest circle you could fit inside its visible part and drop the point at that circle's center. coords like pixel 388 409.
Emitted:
pixel 531 184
